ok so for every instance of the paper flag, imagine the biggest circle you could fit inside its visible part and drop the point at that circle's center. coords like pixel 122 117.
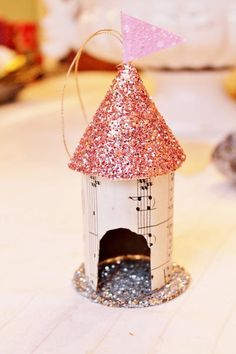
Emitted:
pixel 141 38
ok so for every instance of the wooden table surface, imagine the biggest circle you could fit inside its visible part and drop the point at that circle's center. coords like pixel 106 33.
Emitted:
pixel 40 229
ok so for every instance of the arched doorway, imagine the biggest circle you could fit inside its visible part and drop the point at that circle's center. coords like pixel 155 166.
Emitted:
pixel 122 243
pixel 124 264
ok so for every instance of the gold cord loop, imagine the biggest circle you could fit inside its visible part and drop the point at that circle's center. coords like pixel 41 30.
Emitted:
pixel 75 65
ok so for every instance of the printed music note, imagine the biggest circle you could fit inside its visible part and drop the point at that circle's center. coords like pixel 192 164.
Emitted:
pixel 145 204
pixel 93 219
pixel 139 198
pixel 151 238
pixel 94 182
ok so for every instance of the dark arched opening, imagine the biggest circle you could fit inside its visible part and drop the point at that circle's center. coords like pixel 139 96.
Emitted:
pixel 122 243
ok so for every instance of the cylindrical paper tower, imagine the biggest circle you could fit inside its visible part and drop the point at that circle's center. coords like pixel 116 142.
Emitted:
pixel 128 156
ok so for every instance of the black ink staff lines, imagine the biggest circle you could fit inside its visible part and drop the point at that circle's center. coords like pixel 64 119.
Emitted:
pixel 145 205
pixel 170 213
pixel 154 225
pixel 93 220
pixel 160 265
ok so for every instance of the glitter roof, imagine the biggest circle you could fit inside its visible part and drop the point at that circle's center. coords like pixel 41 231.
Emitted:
pixel 127 137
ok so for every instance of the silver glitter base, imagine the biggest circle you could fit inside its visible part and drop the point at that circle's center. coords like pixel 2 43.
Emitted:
pixel 127 283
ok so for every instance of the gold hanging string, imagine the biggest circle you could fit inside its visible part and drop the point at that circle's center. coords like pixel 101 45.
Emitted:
pixel 75 65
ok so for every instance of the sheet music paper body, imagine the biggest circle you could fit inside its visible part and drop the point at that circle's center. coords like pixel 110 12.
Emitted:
pixel 143 206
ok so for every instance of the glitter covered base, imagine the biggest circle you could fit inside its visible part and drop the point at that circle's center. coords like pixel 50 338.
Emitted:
pixel 126 283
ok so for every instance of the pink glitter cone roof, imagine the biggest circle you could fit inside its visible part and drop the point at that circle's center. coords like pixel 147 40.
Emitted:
pixel 127 138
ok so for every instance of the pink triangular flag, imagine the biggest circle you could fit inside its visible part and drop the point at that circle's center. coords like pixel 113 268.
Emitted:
pixel 141 38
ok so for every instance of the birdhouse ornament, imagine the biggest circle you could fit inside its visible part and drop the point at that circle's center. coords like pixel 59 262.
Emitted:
pixel 127 157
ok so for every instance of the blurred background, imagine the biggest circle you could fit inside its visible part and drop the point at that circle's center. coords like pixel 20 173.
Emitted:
pixel 39 38
pixel 193 86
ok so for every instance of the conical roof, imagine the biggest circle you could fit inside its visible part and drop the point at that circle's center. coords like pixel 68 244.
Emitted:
pixel 127 137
